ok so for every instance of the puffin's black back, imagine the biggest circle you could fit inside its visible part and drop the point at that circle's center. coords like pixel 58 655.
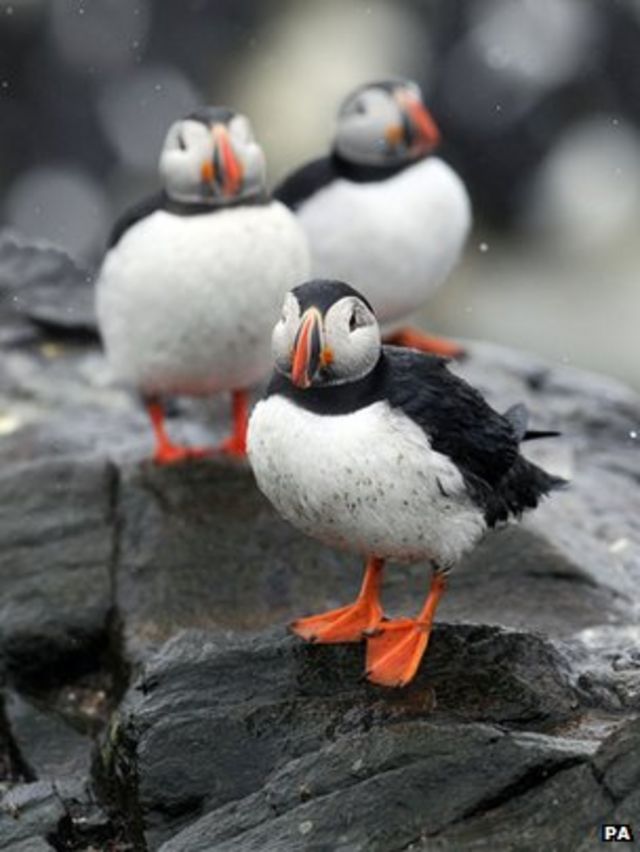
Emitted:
pixel 459 423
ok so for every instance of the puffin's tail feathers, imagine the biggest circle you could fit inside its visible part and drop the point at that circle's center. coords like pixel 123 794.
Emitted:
pixel 535 434
pixel 521 489
pixel 518 416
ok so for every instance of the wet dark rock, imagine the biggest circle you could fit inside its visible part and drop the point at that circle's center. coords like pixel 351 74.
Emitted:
pixel 558 811
pixel 375 792
pixel 565 812
pixel 250 706
pixel 28 814
pixel 61 815
pixel 50 748
pixel 185 558
pixel 42 284
pixel 617 767
pixel 54 566
pixel 31 844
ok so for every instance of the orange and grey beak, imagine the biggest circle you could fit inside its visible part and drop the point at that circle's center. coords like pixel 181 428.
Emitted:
pixel 230 167
pixel 224 170
pixel 307 354
pixel 420 132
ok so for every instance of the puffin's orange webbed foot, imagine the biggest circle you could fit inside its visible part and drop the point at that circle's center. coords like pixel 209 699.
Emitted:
pixel 412 338
pixel 395 650
pixel 347 624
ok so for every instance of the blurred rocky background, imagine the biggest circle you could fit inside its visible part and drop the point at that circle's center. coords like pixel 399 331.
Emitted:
pixel 538 100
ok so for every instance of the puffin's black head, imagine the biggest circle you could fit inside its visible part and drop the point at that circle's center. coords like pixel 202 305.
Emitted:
pixel 211 157
pixel 327 335
pixel 385 122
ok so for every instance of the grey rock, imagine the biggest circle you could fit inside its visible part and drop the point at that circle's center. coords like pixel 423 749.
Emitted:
pixel 560 812
pixel 43 284
pixel 29 812
pixel 54 815
pixel 380 790
pixel 11 768
pixel 49 747
pixel 248 706
pixel 54 566
pixel 186 558
pixel 565 812
pixel 32 844
pixel 617 763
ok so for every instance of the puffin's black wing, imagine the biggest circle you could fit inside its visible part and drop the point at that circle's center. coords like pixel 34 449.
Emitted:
pixel 135 214
pixel 456 418
pixel 459 423
pixel 307 180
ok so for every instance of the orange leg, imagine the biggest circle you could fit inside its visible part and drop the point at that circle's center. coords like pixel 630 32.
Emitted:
pixel 236 444
pixel 349 623
pixel 166 452
pixel 395 649
pixel 411 338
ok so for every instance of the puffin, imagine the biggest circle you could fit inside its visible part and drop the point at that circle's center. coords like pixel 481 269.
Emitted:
pixel 382 451
pixel 381 210
pixel 193 278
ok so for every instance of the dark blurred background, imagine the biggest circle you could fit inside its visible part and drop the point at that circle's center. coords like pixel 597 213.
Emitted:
pixel 538 102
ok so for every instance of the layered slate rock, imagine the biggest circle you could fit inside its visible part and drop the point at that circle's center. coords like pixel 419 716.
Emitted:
pixel 54 815
pixel 54 565
pixel 50 747
pixel 200 546
pixel 284 732
pixel 29 813
pixel 564 812
pixel 41 283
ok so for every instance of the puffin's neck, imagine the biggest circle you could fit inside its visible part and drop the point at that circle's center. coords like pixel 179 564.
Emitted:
pixel 334 399
pixel 368 173
pixel 194 208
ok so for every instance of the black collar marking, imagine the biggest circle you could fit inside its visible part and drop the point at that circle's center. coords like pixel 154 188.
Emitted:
pixel 211 115
pixel 161 201
pixel 454 416
pixel 312 177
pixel 362 173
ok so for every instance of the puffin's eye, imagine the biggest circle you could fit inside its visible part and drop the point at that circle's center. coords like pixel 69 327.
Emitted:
pixel 360 108
pixel 353 321
pixel 181 143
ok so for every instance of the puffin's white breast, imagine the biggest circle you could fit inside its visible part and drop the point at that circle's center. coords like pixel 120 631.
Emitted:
pixel 395 240
pixel 186 304
pixel 367 481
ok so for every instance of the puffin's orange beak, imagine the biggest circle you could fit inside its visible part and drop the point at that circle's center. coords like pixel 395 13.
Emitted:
pixel 307 349
pixel 422 131
pixel 230 167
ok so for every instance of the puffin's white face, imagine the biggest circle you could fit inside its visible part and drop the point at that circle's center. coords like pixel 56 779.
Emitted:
pixel 212 161
pixel 317 349
pixel 385 123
